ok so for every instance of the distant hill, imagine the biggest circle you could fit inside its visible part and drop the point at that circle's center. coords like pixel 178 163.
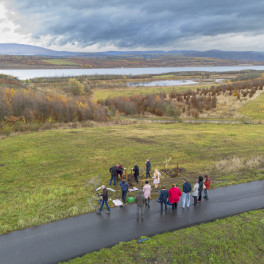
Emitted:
pixel 29 50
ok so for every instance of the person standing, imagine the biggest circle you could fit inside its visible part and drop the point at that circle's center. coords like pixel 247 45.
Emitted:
pixel 164 195
pixel 104 200
pixel 120 171
pixel 207 186
pixel 113 171
pixel 200 189
pixel 186 188
pixel 156 177
pixel 148 168
pixel 140 200
pixel 174 196
pixel 124 188
pixel 147 191
pixel 195 193
pixel 136 172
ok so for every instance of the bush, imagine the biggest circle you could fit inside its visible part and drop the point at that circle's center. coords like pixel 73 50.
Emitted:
pixel 76 87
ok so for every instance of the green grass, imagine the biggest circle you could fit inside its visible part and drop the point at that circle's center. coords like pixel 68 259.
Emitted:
pixel 254 109
pixel 51 175
pixel 235 240
pixel 61 62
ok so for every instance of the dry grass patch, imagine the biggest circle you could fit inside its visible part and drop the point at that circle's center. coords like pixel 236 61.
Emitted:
pixel 227 106
pixel 237 163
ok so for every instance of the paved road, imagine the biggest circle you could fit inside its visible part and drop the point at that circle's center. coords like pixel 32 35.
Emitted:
pixel 75 236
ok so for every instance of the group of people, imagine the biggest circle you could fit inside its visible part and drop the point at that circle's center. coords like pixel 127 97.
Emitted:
pixel 172 196
pixel 167 197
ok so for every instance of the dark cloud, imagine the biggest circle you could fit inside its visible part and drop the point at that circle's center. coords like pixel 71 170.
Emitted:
pixel 133 24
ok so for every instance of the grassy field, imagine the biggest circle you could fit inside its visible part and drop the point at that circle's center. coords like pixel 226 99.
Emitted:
pixel 60 62
pixel 53 174
pixel 235 240
pixel 254 109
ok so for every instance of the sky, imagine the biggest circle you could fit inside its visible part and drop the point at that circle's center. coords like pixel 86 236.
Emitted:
pixel 103 25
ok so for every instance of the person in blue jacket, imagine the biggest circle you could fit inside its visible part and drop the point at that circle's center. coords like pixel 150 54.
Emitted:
pixel 124 188
pixel 164 195
pixel 186 188
pixel 148 168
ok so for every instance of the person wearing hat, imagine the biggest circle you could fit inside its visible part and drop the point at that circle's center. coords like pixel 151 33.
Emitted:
pixel 104 200
pixel 207 186
pixel 147 190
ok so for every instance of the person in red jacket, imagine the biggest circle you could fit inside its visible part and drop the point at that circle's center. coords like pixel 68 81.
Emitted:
pixel 207 186
pixel 174 196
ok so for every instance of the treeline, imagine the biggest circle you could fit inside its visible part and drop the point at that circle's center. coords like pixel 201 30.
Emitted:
pixel 191 103
pixel 139 104
pixel 30 106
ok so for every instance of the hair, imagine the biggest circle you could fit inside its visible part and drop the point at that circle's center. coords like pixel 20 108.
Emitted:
pixel 206 176
pixel 163 187
pixel 146 182
pixel 173 185
pixel 184 180
pixel 103 187
pixel 123 178
pixel 200 178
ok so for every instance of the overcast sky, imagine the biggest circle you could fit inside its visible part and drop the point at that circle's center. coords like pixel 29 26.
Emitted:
pixel 100 25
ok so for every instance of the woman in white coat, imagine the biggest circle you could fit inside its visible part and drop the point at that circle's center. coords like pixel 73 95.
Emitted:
pixel 156 177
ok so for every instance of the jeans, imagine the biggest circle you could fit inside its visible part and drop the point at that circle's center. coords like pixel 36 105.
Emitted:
pixel 147 174
pixel 113 177
pixel 147 200
pixel 200 195
pixel 124 193
pixel 205 193
pixel 174 206
pixel 102 204
pixel 161 205
pixel 141 209
pixel 185 197
pixel 194 200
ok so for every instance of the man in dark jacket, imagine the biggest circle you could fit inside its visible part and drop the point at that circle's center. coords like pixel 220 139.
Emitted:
pixel 187 188
pixel 136 172
pixel 200 189
pixel 104 201
pixel 113 172
pixel 164 195
pixel 148 168
pixel 124 188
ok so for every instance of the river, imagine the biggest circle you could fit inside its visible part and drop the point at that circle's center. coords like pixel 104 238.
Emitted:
pixel 37 73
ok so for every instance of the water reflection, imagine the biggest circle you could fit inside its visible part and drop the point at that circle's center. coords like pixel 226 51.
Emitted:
pixel 163 83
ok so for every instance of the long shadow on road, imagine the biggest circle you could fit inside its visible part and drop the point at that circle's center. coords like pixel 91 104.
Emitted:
pixel 76 236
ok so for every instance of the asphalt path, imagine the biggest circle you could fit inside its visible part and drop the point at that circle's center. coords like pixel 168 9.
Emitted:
pixel 76 236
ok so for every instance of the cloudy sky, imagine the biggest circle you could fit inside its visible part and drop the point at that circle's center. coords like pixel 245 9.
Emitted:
pixel 100 25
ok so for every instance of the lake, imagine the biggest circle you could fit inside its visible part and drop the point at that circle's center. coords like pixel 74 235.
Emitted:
pixel 35 73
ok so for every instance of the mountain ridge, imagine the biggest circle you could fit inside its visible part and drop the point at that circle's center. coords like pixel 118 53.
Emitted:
pixel 30 50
